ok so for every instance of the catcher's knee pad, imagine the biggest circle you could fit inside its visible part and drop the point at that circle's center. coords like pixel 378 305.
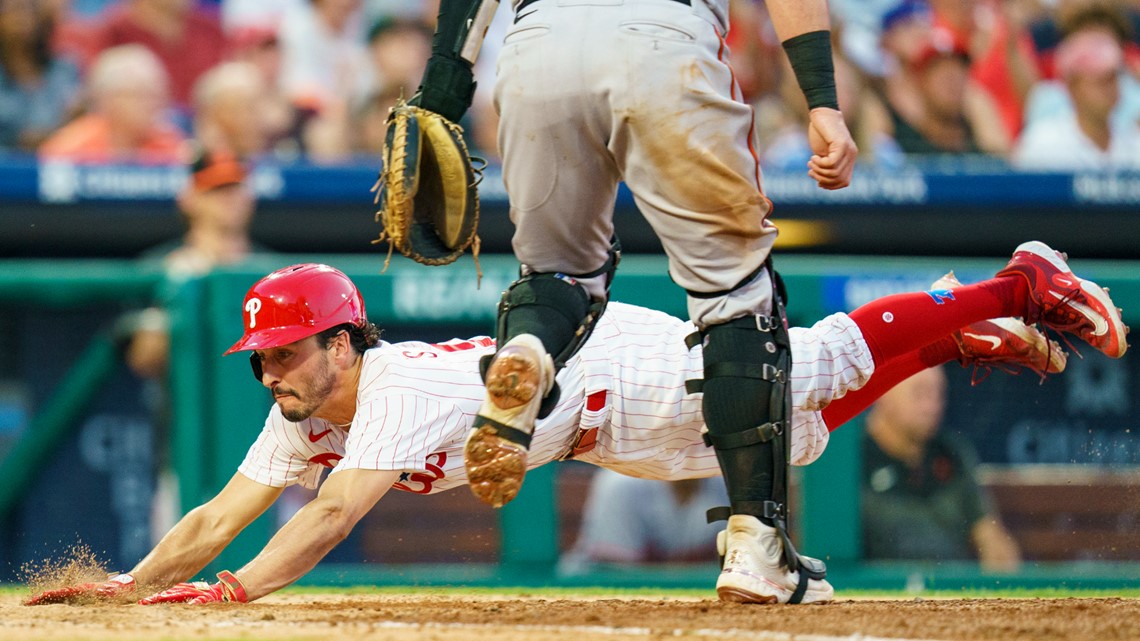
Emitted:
pixel 549 306
pixel 556 309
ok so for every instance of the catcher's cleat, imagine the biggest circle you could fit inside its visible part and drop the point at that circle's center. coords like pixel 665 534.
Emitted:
pixel 519 376
pixel 1005 343
pixel 754 570
pixel 1062 301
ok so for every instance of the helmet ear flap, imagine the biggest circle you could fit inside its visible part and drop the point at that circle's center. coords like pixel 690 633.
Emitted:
pixel 255 364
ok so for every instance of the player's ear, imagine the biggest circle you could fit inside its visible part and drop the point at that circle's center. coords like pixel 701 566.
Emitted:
pixel 341 345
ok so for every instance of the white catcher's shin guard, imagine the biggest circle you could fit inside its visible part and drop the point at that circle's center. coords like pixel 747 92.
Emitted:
pixel 754 570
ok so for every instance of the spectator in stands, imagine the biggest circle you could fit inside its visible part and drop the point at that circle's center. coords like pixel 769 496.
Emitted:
pixel 398 51
pixel 217 205
pixel 324 61
pixel 905 36
pixel 127 87
pixel 370 124
pixel 630 520
pixel 920 497
pixel 1050 98
pixel 229 110
pixel 188 39
pixel 1003 63
pixel 38 90
pixel 861 30
pixel 950 116
pixel 1050 27
pixel 324 72
pixel 283 121
pixel 1089 63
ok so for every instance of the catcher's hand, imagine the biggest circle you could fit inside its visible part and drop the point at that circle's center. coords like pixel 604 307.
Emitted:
pixel 86 592
pixel 429 204
pixel 227 589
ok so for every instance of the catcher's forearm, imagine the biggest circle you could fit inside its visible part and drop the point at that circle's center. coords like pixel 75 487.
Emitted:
pixel 448 84
pixel 803 27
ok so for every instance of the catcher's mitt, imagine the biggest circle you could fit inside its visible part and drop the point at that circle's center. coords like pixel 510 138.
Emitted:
pixel 429 204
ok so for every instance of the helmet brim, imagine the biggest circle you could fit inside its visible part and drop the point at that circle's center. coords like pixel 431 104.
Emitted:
pixel 274 337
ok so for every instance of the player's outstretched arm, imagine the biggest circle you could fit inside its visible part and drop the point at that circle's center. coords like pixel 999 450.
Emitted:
pixel 192 543
pixel 314 530
pixel 204 532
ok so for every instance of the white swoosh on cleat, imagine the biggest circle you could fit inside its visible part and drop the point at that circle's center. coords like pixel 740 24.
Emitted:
pixel 994 341
pixel 1100 325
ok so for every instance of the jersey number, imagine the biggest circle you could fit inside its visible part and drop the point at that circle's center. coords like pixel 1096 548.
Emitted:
pixel 425 479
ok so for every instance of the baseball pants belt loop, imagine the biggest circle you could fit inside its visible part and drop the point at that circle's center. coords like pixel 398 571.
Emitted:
pixel 527 3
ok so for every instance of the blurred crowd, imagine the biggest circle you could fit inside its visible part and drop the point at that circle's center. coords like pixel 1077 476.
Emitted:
pixel 1042 84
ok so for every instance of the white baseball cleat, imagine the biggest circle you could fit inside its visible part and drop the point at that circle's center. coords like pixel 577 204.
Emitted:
pixel 520 375
pixel 754 570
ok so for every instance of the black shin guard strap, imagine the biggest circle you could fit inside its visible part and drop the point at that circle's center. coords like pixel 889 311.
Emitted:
pixel 505 431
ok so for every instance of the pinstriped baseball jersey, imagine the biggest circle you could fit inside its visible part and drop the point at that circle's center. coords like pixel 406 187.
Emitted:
pixel 626 388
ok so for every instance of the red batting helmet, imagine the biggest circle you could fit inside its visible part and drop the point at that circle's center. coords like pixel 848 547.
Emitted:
pixel 297 302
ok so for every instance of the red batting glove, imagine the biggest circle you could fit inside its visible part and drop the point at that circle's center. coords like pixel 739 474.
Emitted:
pixel 114 587
pixel 227 589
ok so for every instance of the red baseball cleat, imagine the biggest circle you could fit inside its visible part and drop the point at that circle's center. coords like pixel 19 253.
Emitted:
pixel 1005 343
pixel 1062 301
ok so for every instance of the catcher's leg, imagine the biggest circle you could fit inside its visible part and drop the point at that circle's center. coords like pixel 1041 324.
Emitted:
pixel 747 410
pixel 539 315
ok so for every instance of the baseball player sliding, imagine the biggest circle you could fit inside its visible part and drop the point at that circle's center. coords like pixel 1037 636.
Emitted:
pixel 386 416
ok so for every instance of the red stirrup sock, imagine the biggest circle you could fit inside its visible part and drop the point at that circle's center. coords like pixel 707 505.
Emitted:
pixel 887 376
pixel 897 324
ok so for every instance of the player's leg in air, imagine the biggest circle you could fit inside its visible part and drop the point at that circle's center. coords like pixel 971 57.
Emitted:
pixel 908 332
pixel 905 333
pixel 1007 344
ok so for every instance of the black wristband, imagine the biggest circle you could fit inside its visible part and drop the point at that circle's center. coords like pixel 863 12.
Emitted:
pixel 448 85
pixel 810 55
pixel 447 88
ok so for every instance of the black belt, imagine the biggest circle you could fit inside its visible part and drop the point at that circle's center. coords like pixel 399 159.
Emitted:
pixel 527 3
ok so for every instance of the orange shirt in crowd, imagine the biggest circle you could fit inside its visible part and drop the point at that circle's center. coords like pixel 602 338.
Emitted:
pixel 88 139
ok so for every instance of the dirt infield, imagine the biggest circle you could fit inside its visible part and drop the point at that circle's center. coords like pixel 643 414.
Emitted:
pixel 502 618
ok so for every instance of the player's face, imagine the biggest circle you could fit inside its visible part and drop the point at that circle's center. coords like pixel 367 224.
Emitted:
pixel 300 377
